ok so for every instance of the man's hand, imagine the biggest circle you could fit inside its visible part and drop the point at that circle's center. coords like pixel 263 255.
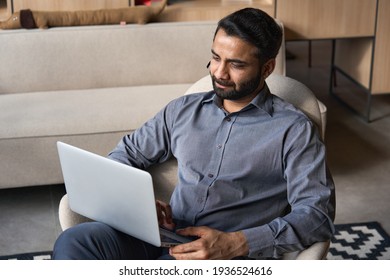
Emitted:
pixel 212 244
pixel 164 214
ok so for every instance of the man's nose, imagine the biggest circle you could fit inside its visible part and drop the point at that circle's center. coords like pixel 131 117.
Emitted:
pixel 221 71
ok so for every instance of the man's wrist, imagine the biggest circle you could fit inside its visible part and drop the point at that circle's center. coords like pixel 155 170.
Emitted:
pixel 240 247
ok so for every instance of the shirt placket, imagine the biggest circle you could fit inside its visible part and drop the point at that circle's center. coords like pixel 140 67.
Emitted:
pixel 212 172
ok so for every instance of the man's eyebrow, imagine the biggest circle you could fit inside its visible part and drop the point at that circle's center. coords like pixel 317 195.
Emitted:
pixel 214 53
pixel 234 60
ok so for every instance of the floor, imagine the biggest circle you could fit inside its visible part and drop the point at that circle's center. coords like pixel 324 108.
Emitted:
pixel 358 156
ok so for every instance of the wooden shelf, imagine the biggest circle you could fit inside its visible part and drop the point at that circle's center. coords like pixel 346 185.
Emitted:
pixel 211 9
pixel 68 5
pixel 5 9
pixel 181 11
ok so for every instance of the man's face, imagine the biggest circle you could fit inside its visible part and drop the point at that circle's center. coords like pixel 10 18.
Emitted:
pixel 235 69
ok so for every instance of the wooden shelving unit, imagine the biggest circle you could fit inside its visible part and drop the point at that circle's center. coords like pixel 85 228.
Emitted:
pixel 360 35
pixel 366 61
pixel 326 19
pixel 381 63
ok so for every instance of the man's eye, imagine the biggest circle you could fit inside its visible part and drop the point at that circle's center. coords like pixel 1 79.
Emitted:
pixel 237 65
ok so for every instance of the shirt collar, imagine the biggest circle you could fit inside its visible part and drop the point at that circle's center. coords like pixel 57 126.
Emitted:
pixel 262 101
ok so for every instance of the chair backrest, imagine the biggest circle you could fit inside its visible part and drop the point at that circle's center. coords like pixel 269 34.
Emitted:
pixel 286 88
pixel 280 65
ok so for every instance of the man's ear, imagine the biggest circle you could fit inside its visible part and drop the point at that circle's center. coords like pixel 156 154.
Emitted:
pixel 268 67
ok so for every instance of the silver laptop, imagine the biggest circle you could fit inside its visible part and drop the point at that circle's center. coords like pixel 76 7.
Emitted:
pixel 113 193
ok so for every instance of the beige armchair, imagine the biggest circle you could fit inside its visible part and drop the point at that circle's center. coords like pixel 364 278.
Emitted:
pixel 164 175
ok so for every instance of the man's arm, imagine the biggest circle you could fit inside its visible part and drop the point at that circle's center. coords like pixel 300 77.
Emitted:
pixel 310 190
pixel 150 143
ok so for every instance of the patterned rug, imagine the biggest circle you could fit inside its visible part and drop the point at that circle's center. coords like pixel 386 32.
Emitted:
pixel 362 241
pixel 29 256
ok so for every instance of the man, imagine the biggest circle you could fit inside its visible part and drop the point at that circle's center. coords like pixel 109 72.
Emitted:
pixel 253 181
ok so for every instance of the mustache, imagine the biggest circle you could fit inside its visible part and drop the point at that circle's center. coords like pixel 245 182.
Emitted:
pixel 222 82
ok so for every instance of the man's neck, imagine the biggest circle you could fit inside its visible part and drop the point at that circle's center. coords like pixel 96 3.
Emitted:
pixel 233 106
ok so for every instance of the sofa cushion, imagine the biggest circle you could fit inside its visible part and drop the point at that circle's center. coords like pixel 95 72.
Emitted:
pixel 42 114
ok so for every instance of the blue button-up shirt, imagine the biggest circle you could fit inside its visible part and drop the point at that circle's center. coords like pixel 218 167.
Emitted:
pixel 261 170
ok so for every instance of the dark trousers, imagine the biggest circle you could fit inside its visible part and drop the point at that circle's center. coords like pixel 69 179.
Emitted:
pixel 97 241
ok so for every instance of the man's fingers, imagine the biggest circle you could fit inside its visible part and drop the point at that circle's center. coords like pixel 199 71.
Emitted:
pixel 192 231
pixel 186 248
pixel 164 214
pixel 167 210
pixel 195 250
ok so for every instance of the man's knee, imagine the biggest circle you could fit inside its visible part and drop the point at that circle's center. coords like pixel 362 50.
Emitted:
pixel 79 242
pixel 98 241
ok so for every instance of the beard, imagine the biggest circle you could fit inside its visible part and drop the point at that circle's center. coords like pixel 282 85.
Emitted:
pixel 237 91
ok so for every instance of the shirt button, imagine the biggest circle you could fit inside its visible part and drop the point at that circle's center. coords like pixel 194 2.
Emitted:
pixel 210 175
pixel 219 146
pixel 228 119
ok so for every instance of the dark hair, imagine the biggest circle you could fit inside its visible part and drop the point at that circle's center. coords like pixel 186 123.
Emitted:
pixel 255 27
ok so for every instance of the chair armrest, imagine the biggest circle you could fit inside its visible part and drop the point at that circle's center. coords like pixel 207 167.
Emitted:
pixel 323 111
pixel 317 251
pixel 67 217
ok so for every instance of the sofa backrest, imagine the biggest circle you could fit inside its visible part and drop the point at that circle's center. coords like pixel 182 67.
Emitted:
pixel 88 57
pixel 104 56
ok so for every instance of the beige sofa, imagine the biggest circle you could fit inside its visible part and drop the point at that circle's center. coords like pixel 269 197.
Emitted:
pixel 88 86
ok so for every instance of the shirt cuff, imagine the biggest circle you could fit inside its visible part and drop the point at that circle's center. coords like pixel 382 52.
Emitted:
pixel 260 241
